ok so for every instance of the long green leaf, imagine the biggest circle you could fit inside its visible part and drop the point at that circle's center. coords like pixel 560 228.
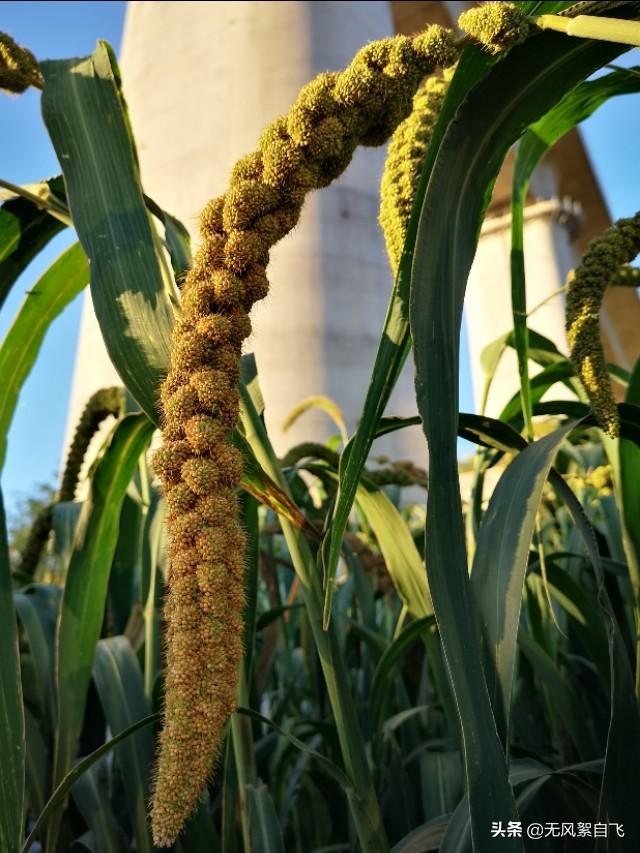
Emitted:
pixel 64 279
pixel 629 497
pixel 130 285
pixel 91 795
pixel 266 836
pixel 12 729
pixel 514 94
pixel 500 563
pixel 395 339
pixel 36 766
pixel 384 671
pixel 621 778
pixel 566 702
pixel 402 559
pixel 121 689
pixel 25 229
pixel 37 610
pixel 84 596
pixel 154 559
pixel 458 837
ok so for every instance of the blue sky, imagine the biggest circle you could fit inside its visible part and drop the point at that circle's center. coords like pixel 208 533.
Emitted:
pixel 51 30
pixel 62 29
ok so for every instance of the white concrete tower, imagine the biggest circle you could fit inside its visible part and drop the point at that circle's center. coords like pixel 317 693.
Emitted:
pixel 202 80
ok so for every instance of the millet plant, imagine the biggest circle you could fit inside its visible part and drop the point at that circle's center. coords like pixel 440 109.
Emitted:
pixel 231 656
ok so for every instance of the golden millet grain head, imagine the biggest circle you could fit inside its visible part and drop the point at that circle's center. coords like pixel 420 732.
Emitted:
pixel 496 26
pixel 606 255
pixel 204 433
pixel 435 48
pixel 168 460
pixel 200 468
pixel 182 404
pixel 211 218
pixel 204 476
pixel 180 499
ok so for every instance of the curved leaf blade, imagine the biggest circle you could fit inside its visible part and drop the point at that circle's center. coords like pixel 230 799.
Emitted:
pixel 500 564
pixel 121 689
pixel 25 230
pixel 130 285
pixel 515 93
pixel 76 772
pixel 64 279
pixel 85 591
pixel 12 726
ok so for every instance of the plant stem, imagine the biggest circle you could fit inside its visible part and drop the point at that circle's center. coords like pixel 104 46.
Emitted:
pixel 363 800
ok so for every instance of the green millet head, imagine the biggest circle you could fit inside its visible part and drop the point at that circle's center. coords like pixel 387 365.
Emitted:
pixel 599 269
pixel 101 405
pixel 19 68
pixel 496 26
pixel 402 169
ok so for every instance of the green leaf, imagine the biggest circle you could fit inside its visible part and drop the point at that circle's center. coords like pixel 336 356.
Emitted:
pixel 36 767
pixel 62 790
pixel 365 808
pixel 573 108
pixel 401 556
pixel 325 404
pixel 383 676
pixel 500 563
pixel 566 701
pixel 25 229
pixel 458 839
pixel 64 279
pixel 154 567
pixel 12 728
pixel 121 689
pixel 199 834
pixel 84 595
pixel 91 795
pixel 177 239
pixel 258 484
pixel 130 285
pixel 402 559
pixel 395 339
pixel 621 776
pixel 628 494
pixel 328 766
pixel 266 836
pixel 515 93
pixel 424 838
pixel 37 609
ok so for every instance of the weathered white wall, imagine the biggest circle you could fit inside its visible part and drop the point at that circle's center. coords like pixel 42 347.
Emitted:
pixel 202 80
